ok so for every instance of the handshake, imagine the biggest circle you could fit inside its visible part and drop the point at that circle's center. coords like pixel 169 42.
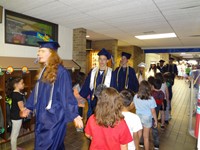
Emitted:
pixel 24 113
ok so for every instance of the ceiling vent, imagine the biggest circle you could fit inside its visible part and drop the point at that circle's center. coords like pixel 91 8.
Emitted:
pixel 149 32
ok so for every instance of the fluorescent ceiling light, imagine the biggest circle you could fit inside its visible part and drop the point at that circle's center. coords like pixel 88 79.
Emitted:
pixel 156 36
pixel 87 36
pixel 183 54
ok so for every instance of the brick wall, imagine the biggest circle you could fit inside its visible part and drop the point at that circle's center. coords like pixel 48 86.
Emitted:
pixel 138 57
pixel 79 47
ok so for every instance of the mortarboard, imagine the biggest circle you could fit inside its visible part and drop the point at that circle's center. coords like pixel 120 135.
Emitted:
pixel 161 60
pixel 171 58
pixel 127 55
pixel 52 45
pixel 142 65
pixel 105 53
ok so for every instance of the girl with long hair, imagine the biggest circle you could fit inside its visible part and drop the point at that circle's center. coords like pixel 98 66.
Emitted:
pixel 141 74
pixel 13 90
pixel 145 108
pixel 107 128
pixel 52 100
pixel 153 69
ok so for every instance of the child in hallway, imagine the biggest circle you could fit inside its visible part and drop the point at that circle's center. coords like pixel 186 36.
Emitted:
pixel 164 88
pixel 132 120
pixel 158 95
pixel 169 82
pixel 81 101
pixel 145 108
pixel 13 91
pixel 106 127
pixel 155 85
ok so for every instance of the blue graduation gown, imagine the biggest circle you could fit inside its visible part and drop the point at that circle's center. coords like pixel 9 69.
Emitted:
pixel 132 79
pixel 50 125
pixel 86 91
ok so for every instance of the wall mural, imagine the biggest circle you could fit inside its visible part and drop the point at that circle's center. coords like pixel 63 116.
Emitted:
pixel 24 30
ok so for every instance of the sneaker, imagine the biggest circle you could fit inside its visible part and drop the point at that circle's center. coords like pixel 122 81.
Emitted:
pixel 141 145
pixel 156 147
pixel 162 127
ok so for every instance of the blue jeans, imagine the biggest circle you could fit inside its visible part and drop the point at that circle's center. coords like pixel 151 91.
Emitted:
pixel 155 134
pixel 170 96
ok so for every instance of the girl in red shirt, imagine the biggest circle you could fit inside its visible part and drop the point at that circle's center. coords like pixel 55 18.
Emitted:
pixel 107 128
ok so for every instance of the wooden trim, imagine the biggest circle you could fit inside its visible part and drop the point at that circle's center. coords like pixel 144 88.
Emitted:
pixel 17 63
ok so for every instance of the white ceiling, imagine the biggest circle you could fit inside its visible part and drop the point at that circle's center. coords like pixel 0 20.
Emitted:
pixel 120 19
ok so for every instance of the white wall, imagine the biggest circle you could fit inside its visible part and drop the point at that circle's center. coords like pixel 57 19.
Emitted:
pixel 151 57
pixel 65 39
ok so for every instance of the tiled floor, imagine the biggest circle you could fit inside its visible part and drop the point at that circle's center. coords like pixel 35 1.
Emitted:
pixel 175 137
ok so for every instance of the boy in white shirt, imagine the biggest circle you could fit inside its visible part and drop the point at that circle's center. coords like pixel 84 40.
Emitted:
pixel 132 120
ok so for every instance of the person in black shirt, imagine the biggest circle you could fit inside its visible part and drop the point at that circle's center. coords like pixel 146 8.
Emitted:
pixel 14 88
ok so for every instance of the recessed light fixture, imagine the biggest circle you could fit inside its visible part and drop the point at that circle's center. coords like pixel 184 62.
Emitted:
pixel 87 36
pixel 156 36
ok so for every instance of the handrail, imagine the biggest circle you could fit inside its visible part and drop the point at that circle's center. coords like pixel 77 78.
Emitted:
pixel 191 130
pixel 77 64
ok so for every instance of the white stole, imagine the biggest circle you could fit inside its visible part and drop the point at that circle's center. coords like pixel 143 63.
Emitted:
pixel 107 77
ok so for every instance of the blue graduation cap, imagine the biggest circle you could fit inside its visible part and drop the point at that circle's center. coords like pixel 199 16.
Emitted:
pixel 127 55
pixel 105 53
pixel 52 45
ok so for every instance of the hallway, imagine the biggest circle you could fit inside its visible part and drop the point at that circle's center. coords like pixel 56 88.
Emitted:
pixel 175 136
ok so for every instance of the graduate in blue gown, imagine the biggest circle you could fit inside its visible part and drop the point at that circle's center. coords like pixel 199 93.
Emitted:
pixel 52 100
pixel 98 75
pixel 125 76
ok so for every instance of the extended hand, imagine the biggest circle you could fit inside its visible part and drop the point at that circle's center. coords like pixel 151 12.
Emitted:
pixel 78 122
pixel 24 113
pixel 155 124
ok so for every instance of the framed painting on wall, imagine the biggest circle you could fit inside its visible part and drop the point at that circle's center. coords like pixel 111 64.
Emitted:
pixel 25 30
